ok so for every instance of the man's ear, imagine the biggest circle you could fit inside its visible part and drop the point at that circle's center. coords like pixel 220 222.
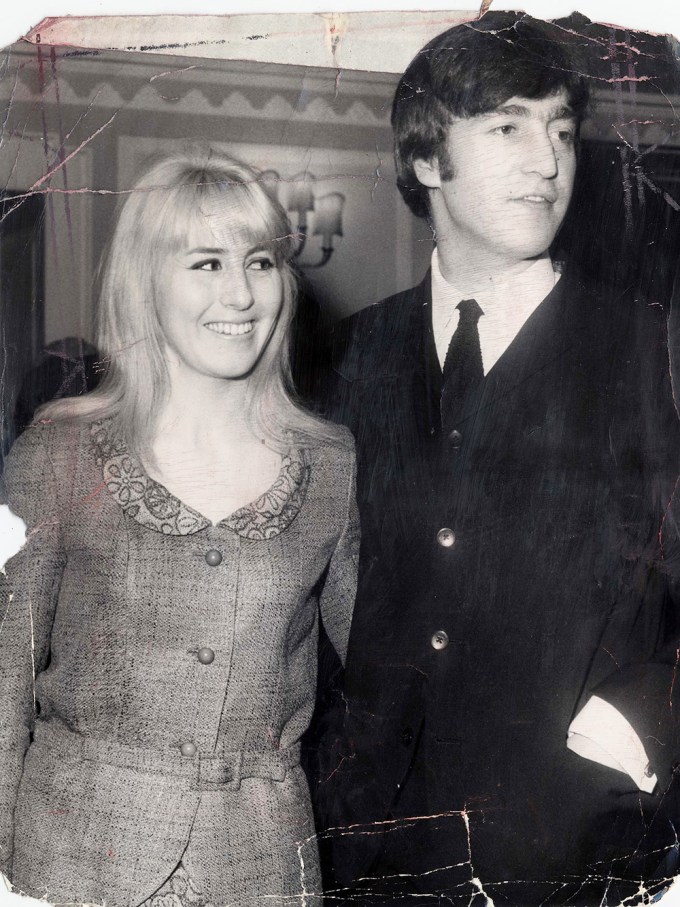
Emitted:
pixel 428 172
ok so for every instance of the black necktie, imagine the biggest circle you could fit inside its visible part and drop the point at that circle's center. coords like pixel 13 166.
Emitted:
pixel 463 366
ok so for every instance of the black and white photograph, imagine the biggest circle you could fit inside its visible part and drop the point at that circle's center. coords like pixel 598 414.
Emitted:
pixel 340 459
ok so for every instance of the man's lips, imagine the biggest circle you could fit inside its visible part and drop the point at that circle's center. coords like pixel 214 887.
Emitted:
pixel 537 198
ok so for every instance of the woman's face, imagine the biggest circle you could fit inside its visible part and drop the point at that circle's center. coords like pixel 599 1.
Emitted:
pixel 218 298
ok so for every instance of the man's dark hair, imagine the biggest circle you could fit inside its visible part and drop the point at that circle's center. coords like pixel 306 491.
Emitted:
pixel 471 69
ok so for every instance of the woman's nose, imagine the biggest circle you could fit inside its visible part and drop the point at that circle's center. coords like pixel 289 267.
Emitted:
pixel 235 291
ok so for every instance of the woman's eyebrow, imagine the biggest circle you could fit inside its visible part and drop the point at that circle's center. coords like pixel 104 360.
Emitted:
pixel 202 250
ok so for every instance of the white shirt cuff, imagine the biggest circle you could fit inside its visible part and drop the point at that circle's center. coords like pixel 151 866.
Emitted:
pixel 12 535
pixel 601 733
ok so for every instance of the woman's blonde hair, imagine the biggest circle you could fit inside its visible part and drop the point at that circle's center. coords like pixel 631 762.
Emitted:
pixel 151 223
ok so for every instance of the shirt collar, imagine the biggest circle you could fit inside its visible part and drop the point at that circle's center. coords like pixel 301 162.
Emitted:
pixel 506 304
pixel 529 288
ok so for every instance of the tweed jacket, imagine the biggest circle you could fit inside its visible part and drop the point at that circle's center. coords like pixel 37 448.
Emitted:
pixel 511 566
pixel 158 670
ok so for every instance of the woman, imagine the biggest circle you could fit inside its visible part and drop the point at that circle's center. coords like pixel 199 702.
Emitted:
pixel 187 522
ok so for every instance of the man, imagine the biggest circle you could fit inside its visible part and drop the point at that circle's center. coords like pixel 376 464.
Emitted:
pixel 510 702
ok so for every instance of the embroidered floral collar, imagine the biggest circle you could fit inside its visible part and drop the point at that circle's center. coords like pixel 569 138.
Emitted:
pixel 152 505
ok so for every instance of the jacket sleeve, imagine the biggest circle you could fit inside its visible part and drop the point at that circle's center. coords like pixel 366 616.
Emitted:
pixel 29 587
pixel 340 587
pixel 647 694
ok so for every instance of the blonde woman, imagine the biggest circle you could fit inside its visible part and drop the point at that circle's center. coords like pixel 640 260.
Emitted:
pixel 187 524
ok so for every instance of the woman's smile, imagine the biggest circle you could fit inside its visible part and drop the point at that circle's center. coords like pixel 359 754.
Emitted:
pixel 230 328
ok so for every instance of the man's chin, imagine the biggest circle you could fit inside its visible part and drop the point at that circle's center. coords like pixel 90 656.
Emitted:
pixel 539 257
pixel 533 249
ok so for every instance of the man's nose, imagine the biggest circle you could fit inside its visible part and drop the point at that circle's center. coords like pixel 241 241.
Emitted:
pixel 541 157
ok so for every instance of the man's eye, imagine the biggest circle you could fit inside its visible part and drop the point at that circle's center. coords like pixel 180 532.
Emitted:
pixel 209 264
pixel 567 136
pixel 505 129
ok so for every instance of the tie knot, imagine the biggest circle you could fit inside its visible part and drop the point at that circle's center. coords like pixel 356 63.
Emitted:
pixel 470 311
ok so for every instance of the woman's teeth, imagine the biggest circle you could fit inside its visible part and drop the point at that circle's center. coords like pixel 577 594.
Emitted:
pixel 226 327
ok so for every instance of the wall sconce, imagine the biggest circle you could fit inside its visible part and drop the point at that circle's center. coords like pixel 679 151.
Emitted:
pixel 327 223
pixel 301 201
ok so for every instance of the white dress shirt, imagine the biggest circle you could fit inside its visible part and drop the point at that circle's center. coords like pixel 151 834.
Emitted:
pixel 506 305
pixel 599 732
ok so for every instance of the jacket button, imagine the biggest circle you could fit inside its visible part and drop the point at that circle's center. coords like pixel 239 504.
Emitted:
pixel 188 749
pixel 440 640
pixel 407 736
pixel 446 538
pixel 206 656
pixel 454 438
pixel 213 558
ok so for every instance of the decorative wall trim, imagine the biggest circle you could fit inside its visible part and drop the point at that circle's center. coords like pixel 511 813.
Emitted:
pixel 148 82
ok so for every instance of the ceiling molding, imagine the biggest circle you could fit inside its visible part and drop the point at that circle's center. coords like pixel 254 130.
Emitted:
pixel 115 80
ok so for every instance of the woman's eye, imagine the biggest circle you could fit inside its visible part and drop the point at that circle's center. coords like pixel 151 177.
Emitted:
pixel 209 264
pixel 261 264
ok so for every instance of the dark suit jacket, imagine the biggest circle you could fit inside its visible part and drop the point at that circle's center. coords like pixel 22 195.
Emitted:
pixel 557 481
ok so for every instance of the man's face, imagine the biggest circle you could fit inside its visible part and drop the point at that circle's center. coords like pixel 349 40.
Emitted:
pixel 513 173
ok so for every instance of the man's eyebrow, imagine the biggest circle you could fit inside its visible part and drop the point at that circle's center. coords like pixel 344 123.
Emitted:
pixel 508 110
pixel 560 112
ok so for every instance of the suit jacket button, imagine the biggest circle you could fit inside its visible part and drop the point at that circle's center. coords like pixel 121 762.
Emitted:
pixel 407 736
pixel 188 749
pixel 440 640
pixel 206 656
pixel 454 438
pixel 213 558
pixel 446 538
